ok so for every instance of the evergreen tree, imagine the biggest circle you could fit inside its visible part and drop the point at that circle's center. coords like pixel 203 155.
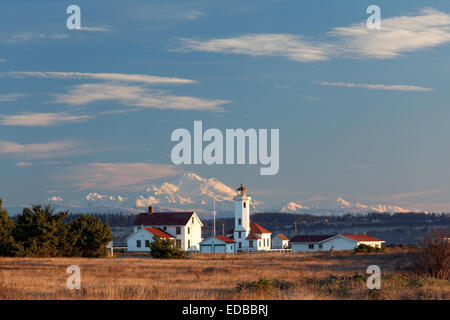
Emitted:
pixel 7 243
pixel 41 233
pixel 90 237
pixel 164 248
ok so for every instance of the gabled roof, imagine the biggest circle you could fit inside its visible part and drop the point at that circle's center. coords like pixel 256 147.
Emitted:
pixel 282 236
pixel 252 236
pixel 360 237
pixel 311 238
pixel 159 232
pixel 256 228
pixel 163 219
pixel 225 239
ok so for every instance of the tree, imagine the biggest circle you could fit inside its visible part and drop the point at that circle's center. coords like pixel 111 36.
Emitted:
pixel 435 258
pixel 39 232
pixel 164 248
pixel 90 237
pixel 7 243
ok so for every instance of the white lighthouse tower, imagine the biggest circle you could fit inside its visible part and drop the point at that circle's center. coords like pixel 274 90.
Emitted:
pixel 241 217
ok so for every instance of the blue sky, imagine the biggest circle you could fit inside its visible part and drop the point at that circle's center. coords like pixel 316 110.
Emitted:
pixel 363 114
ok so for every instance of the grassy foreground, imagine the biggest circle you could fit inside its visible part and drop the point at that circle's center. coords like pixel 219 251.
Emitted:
pixel 260 276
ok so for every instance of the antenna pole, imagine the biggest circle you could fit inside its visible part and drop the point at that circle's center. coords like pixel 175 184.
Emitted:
pixel 214 214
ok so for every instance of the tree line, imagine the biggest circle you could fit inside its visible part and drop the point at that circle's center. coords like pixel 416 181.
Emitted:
pixel 39 232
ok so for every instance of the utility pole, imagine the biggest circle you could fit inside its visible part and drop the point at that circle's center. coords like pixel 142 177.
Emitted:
pixel 223 228
pixel 214 214
pixel 295 228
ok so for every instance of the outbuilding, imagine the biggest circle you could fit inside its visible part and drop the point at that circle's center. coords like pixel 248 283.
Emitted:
pixel 305 243
pixel 218 244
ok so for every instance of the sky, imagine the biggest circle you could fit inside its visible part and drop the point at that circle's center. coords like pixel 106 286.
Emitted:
pixel 362 114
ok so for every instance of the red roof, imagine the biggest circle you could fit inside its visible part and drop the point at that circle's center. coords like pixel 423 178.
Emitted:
pixel 225 239
pixel 360 237
pixel 282 236
pixel 252 236
pixel 311 238
pixel 256 228
pixel 159 232
pixel 163 219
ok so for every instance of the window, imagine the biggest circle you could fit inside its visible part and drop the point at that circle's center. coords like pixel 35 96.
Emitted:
pixel 320 246
pixel 165 228
pixel 193 220
pixel 239 234
pixel 189 243
pixel 311 246
pixel 245 205
pixel 147 243
pixel 250 243
pixel 138 243
pixel 189 230
pixel 240 245
pixel 178 243
pixel 178 230
pixel 239 221
pixel 259 243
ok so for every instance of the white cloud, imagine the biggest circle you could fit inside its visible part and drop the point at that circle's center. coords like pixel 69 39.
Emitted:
pixel 29 36
pixel 24 164
pixel 136 96
pixel 101 76
pixel 40 119
pixel 290 46
pixel 192 15
pixel 55 199
pixel 40 150
pixel 398 35
pixel 101 29
pixel 2 60
pixel 11 97
pixel 116 176
pixel 396 87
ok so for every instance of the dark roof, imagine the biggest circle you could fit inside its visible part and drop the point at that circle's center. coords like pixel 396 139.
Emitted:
pixel 256 228
pixel 159 232
pixel 311 238
pixel 225 239
pixel 163 219
pixel 360 237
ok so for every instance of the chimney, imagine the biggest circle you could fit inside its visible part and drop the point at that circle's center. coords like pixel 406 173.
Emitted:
pixel 150 210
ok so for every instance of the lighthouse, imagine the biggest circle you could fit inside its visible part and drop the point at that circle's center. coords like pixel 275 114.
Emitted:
pixel 241 216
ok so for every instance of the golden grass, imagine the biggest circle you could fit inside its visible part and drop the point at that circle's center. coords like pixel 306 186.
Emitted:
pixel 312 276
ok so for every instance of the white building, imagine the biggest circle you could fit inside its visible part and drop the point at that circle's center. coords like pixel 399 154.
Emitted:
pixel 248 235
pixel 306 243
pixel 184 227
pixel 218 244
pixel 280 241
pixel 141 239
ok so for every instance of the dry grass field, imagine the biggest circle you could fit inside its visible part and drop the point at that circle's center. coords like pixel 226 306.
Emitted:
pixel 241 276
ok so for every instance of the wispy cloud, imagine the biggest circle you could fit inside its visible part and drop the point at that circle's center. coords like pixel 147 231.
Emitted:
pixel 430 28
pixel 24 164
pixel 99 29
pixel 136 96
pixel 290 46
pixel 41 119
pixel 11 97
pixel 116 176
pixel 2 60
pixel 192 15
pixel 396 87
pixel 121 77
pixel 41 150
pixel 30 36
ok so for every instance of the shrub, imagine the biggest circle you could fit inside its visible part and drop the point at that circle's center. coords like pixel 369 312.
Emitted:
pixel 164 249
pixel 435 258
pixel 366 248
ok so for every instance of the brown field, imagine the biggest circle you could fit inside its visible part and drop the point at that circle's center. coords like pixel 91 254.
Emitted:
pixel 284 276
